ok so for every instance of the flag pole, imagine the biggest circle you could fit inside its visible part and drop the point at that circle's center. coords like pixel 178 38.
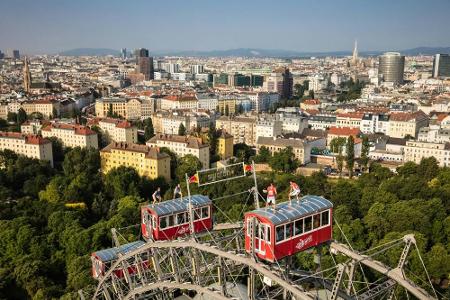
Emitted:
pixel 255 191
pixel 191 220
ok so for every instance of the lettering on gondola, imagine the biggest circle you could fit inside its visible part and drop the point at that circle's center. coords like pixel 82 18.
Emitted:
pixel 210 176
pixel 304 242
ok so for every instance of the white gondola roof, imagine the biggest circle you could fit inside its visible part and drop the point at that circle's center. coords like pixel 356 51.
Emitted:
pixel 178 205
pixel 286 212
pixel 106 255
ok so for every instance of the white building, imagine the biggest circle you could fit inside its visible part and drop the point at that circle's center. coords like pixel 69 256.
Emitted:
pixel 197 69
pixel 415 151
pixel 117 130
pixel 182 145
pixel 268 128
pixel 374 123
pixel 32 146
pixel 72 135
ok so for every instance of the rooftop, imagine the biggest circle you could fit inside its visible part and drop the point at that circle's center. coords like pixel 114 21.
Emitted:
pixel 150 152
pixel 190 141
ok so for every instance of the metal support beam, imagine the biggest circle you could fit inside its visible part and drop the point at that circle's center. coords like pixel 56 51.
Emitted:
pixel 337 281
pixel 350 273
pixel 251 284
pixel 174 265
pixel 394 274
pixel 221 276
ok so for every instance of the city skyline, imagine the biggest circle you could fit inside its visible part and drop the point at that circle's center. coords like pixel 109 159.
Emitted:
pixel 204 26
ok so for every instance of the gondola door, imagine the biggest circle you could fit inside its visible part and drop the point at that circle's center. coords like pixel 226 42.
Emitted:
pixel 260 238
pixel 148 225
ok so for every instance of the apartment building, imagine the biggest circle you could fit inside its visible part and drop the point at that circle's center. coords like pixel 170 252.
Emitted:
pixel 310 104
pixel 48 108
pixel 147 161
pixel 31 127
pixel 128 108
pixel 182 145
pixel 72 135
pixel 116 129
pixel 351 120
pixel 374 123
pixel 403 124
pixel 415 150
pixel 179 102
pixel 268 127
pixel 32 146
pixel 345 132
pixel 243 129
pixel 321 122
pixel 301 148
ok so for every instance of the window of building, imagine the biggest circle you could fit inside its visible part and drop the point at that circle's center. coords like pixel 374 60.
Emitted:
pixel 298 227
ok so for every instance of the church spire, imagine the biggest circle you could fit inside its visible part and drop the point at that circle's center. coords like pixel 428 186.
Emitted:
pixel 26 76
pixel 355 53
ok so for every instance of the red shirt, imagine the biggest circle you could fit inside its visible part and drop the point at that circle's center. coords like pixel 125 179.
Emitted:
pixel 295 186
pixel 271 191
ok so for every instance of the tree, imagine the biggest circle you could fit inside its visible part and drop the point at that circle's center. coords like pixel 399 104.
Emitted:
pixel 340 162
pixel 181 129
pixel 365 152
pixel 173 160
pixel 311 94
pixel 188 164
pixel 299 90
pixel 122 181
pixel 110 113
pixel 12 117
pixel 57 149
pixel 149 131
pixel 227 110
pixel 337 144
pixel 21 116
pixel 263 155
pixel 284 160
pixel 350 158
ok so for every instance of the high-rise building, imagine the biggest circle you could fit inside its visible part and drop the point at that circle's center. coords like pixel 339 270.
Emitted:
pixel 26 76
pixel 2 55
pixel 441 65
pixel 197 69
pixel 123 53
pixel 391 67
pixel 144 63
pixel 288 83
pixel 13 54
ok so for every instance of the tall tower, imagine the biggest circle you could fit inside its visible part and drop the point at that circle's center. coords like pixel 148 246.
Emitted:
pixel 144 63
pixel 355 54
pixel 26 76
pixel 391 66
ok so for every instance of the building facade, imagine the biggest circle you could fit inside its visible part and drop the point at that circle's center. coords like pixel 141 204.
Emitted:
pixel 182 145
pixel 72 135
pixel 32 146
pixel 148 162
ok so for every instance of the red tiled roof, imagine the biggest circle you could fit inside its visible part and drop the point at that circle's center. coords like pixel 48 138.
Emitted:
pixel 180 97
pixel 79 129
pixel 354 115
pixel 29 138
pixel 344 131
pixel 405 117
pixel 311 101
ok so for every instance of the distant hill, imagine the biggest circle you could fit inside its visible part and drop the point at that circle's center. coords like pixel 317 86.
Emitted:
pixel 90 52
pixel 253 52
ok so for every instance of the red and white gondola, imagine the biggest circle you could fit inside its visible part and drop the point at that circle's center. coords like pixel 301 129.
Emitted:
pixel 103 260
pixel 288 229
pixel 170 219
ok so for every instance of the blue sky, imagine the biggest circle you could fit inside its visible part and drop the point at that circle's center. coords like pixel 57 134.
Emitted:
pixel 315 25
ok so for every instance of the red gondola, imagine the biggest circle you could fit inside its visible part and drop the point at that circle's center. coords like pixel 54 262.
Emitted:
pixel 290 228
pixel 169 219
pixel 102 260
